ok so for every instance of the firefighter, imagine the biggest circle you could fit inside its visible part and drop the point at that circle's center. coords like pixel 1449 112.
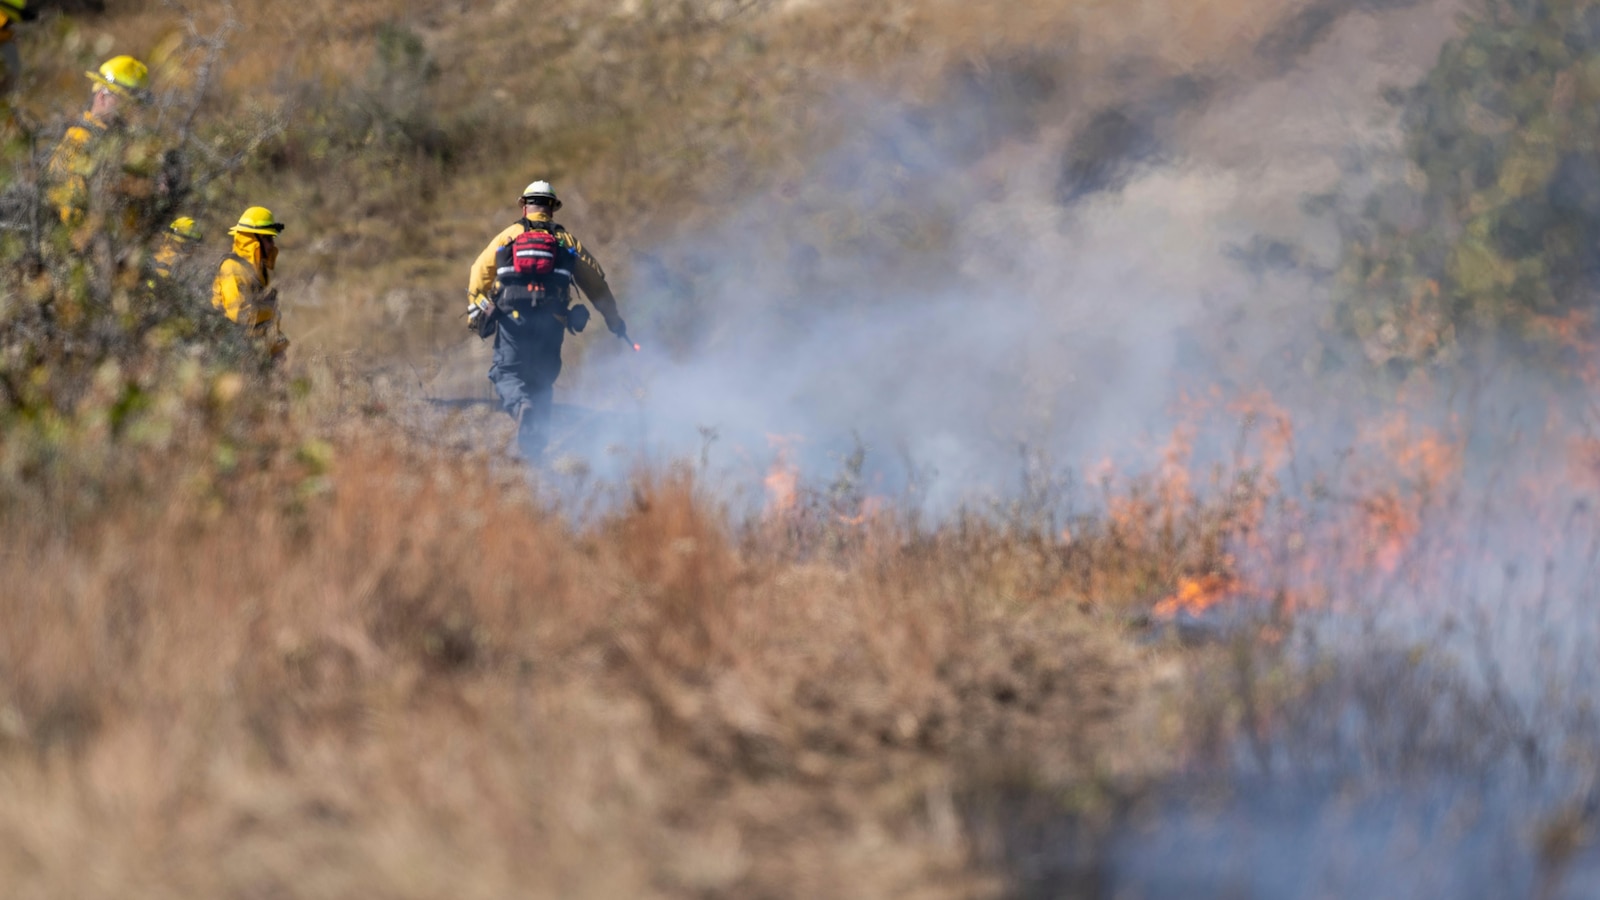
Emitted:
pixel 105 173
pixel 519 290
pixel 11 12
pixel 243 290
pixel 13 138
pixel 177 244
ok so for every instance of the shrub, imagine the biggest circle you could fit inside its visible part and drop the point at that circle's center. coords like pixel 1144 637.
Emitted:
pixel 1492 233
pixel 102 357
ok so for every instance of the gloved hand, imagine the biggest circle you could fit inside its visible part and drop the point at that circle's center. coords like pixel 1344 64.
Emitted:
pixel 480 311
pixel 577 318
pixel 616 326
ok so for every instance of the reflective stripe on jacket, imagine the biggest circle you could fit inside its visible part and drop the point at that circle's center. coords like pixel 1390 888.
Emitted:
pixel 587 274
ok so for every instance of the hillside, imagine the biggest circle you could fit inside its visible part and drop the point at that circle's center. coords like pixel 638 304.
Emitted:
pixel 992 511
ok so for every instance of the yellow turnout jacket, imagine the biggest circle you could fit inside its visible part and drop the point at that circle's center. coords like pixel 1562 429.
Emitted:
pixel 243 290
pixel 71 166
pixel 103 168
pixel 587 274
pixel 10 63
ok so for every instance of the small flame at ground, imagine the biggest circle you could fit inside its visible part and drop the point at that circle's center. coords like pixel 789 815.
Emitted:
pixel 1196 595
pixel 869 509
pixel 783 478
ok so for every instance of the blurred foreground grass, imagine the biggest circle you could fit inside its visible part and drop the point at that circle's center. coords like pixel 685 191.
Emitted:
pixel 348 670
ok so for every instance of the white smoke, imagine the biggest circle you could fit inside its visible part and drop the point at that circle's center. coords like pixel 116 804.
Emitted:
pixel 1068 327
pixel 1075 329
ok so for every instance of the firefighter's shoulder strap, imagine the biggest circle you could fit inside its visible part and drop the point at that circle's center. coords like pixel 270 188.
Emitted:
pixel 530 225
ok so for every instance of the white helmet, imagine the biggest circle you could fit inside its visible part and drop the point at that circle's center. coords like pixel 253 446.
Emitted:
pixel 541 190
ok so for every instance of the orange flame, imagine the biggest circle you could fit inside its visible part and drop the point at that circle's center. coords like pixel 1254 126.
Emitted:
pixel 1413 464
pixel 1196 595
pixel 868 510
pixel 1271 424
pixel 1583 460
pixel 783 478
pixel 1387 526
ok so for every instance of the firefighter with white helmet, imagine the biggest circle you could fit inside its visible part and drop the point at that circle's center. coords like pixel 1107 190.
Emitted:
pixel 243 288
pixel 520 291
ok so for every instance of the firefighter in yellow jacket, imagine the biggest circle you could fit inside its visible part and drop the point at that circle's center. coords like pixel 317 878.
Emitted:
pixel 106 173
pixel 519 290
pixel 177 245
pixel 243 290
pixel 13 139
pixel 11 12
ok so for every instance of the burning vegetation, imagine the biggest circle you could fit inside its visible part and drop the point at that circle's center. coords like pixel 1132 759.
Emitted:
pixel 297 632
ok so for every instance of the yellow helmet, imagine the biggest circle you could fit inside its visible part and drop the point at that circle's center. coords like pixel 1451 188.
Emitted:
pixel 15 11
pixel 183 227
pixel 123 75
pixel 257 220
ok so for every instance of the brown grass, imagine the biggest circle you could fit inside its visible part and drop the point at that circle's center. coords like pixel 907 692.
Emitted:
pixel 653 121
pixel 403 678
pixel 399 675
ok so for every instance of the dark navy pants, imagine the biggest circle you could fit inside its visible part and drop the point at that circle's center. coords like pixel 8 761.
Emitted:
pixel 527 359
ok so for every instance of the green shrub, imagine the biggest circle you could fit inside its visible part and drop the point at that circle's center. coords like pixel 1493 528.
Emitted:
pixel 102 360
pixel 1493 232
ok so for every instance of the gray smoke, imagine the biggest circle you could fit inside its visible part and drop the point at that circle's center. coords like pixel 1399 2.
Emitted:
pixel 1096 262
pixel 1009 268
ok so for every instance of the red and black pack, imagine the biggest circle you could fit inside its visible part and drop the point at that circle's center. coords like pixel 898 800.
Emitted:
pixel 535 267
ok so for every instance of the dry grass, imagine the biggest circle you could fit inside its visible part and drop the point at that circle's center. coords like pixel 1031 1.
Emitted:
pixel 386 669
pixel 403 678
pixel 655 119
pixel 264 667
